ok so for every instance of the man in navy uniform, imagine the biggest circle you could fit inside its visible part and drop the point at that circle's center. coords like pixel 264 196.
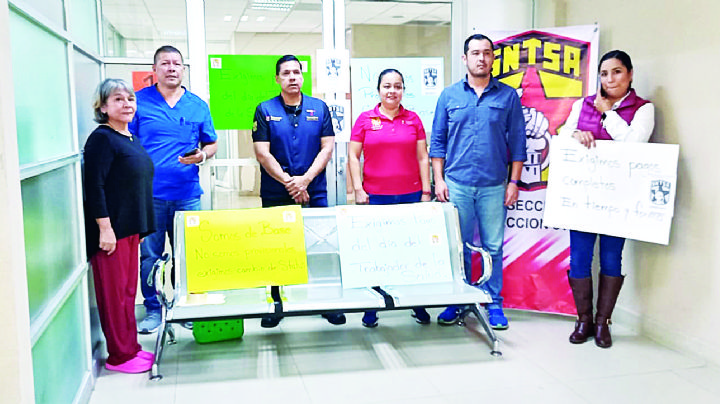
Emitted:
pixel 294 141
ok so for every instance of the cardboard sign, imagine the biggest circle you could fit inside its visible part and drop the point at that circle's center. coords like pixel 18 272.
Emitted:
pixel 393 245
pixel 616 188
pixel 235 249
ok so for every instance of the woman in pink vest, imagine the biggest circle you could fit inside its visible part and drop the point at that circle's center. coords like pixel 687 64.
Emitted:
pixel 618 114
pixel 396 168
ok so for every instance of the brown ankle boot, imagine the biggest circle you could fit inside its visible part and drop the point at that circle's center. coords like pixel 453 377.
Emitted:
pixel 608 291
pixel 582 291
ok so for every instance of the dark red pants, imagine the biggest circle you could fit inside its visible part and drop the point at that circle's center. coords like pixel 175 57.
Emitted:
pixel 116 279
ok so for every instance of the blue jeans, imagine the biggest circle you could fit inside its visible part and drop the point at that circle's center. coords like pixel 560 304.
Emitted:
pixel 482 207
pixel 394 199
pixel 582 247
pixel 153 246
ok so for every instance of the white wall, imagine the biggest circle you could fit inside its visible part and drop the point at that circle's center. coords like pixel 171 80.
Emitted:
pixel 481 16
pixel 672 293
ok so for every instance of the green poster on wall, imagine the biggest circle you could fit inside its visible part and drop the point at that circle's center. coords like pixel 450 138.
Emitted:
pixel 238 83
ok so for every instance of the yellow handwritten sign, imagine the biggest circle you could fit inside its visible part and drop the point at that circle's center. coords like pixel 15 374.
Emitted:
pixel 235 249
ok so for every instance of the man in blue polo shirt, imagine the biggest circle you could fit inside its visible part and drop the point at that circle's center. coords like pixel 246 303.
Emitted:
pixel 176 130
pixel 478 132
pixel 294 141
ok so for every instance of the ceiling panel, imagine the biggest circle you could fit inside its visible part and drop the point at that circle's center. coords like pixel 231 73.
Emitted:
pixel 148 19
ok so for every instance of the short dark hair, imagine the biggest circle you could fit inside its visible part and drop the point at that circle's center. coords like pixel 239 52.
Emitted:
pixel 478 37
pixel 166 49
pixel 283 59
pixel 104 90
pixel 388 71
pixel 623 57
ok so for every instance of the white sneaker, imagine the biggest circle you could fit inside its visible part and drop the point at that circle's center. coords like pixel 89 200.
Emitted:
pixel 150 323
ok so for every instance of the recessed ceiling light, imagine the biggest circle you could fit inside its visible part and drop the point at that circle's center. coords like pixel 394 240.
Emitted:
pixel 261 18
pixel 227 18
pixel 244 18
pixel 275 5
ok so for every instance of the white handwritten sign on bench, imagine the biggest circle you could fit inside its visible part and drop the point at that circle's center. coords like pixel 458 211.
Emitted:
pixel 617 188
pixel 393 245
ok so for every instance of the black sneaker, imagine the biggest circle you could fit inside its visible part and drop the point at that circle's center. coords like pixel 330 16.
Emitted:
pixel 270 321
pixel 421 315
pixel 335 318
pixel 370 319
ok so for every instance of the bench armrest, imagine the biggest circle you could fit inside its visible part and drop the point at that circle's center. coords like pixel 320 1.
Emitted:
pixel 487 264
pixel 158 274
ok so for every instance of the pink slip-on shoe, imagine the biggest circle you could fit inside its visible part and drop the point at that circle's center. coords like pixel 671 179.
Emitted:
pixel 146 355
pixel 134 365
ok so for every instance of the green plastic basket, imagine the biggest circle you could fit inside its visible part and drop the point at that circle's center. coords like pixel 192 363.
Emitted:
pixel 214 331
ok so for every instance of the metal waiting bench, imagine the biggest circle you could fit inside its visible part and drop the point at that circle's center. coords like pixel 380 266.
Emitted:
pixel 324 292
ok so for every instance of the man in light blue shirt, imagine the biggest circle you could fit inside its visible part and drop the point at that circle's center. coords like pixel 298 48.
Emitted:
pixel 175 127
pixel 478 133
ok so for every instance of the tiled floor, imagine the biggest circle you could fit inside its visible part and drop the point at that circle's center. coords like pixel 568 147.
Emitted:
pixel 307 360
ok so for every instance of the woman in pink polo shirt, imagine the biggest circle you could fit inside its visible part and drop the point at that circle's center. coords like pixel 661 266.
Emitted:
pixel 396 167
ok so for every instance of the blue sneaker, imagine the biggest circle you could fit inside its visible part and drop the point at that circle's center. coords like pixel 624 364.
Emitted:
pixel 370 319
pixel 150 323
pixel 497 318
pixel 450 316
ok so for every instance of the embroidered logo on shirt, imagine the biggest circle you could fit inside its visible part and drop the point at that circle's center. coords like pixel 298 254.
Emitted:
pixel 376 123
pixel 273 118
pixel 254 129
pixel 310 112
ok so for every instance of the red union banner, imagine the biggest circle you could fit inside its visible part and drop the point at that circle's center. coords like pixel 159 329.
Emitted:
pixel 550 68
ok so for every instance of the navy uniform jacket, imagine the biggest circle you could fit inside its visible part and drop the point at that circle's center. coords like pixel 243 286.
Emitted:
pixel 294 134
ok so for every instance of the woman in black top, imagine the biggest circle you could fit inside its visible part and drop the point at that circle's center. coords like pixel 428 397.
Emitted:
pixel 118 176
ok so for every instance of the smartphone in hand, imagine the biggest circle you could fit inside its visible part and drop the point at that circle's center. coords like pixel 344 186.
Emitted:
pixel 191 152
pixel 601 90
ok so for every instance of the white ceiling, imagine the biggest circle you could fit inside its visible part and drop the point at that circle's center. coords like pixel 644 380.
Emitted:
pixel 139 20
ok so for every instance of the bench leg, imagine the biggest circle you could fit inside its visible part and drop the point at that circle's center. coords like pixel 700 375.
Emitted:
pixel 164 329
pixel 159 345
pixel 485 322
